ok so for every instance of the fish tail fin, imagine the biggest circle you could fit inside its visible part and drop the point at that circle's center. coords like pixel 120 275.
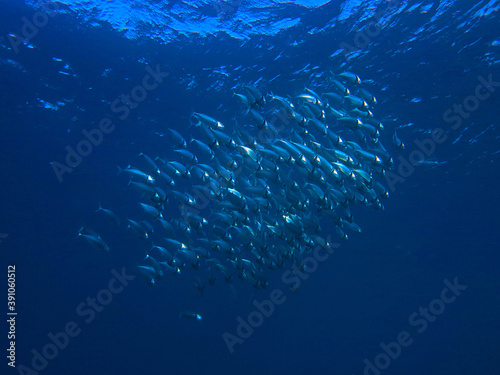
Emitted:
pixel 120 170
pixel 194 122
pixel 193 119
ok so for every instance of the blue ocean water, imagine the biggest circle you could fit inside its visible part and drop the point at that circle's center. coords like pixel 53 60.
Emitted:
pixel 64 64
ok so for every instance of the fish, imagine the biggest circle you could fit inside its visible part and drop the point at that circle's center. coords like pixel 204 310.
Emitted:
pixel 311 99
pixel 285 104
pixel 254 95
pixel 341 88
pixel 139 228
pixel 350 77
pixel 148 273
pixel 261 192
pixel 143 188
pixel 366 95
pixel 357 102
pixel 258 119
pixel 110 214
pixel 397 142
pixel 158 271
pixel 140 175
pixel 244 102
pixel 93 239
pixel 189 156
pixel 179 168
pixel 178 138
pixel 153 211
pixel 203 119
pixel 203 147
pixel 177 245
pixel 151 164
pixel 334 98
pixel 190 315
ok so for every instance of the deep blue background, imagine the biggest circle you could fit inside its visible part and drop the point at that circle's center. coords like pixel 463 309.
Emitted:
pixel 439 224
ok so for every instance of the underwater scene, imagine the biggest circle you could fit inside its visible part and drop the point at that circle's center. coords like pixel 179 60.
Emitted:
pixel 250 187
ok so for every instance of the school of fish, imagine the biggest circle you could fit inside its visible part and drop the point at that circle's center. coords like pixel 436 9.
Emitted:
pixel 260 194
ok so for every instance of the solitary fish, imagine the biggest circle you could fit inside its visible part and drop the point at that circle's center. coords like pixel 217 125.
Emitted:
pixel 190 315
pixel 93 239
